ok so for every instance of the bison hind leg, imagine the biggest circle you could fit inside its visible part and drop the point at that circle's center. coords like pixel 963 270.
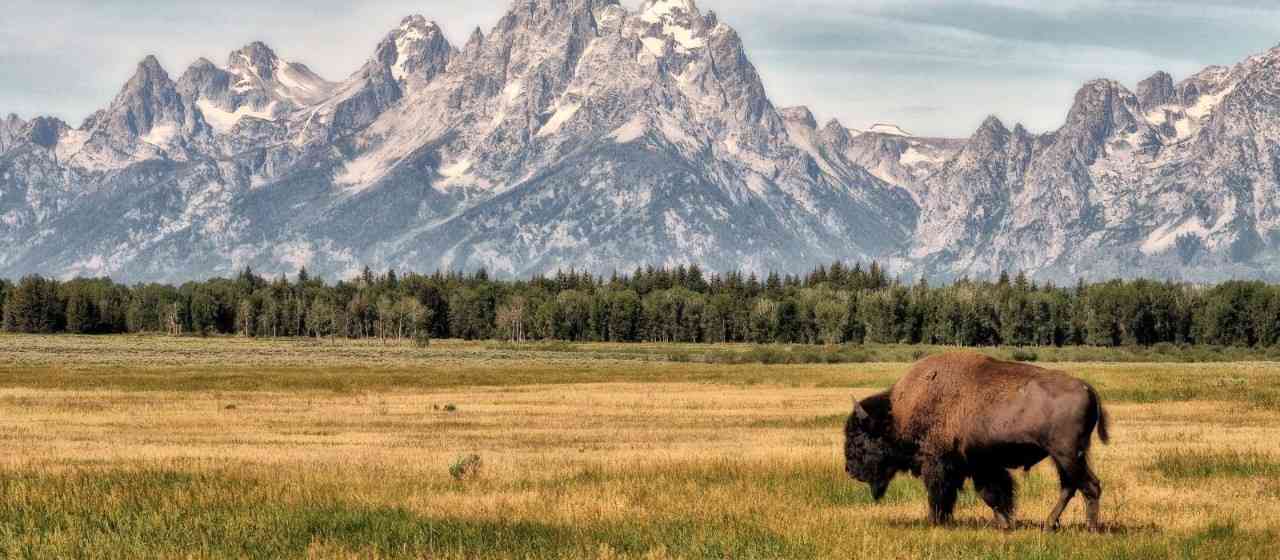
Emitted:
pixel 1055 518
pixel 1091 487
pixel 997 490
pixel 1075 475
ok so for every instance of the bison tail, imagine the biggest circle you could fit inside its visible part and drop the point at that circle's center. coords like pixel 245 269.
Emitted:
pixel 1103 421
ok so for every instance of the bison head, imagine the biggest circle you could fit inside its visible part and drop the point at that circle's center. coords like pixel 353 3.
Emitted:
pixel 869 451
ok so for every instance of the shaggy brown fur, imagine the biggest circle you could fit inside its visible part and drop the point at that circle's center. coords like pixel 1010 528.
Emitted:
pixel 963 415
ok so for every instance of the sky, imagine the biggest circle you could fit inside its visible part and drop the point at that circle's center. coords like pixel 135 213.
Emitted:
pixel 934 67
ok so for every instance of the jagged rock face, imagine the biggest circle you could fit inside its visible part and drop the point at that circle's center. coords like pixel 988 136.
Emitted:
pixel 146 120
pixel 575 133
pixel 45 132
pixel 259 71
pixel 252 98
pixel 900 159
pixel 887 153
pixel 971 194
pixel 408 59
pixel 148 101
pixel 578 133
pixel 10 132
pixel 1175 180
pixel 417 51
pixel 1156 91
pixel 555 116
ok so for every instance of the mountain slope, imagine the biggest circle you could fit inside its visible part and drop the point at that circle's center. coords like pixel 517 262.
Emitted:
pixel 579 133
pixel 575 133
pixel 1176 180
pixel 626 137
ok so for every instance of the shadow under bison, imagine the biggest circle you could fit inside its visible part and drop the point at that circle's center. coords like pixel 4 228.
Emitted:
pixel 960 415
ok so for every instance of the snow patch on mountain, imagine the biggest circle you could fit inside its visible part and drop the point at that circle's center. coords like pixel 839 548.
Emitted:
pixel 562 115
pixel 296 254
pixel 161 134
pixel 70 144
pixel 512 90
pixel 889 129
pixel 677 20
pixel 258 69
pixel 224 121
pixel 656 46
pixel 301 86
pixel 89 267
pixel 408 37
pixel 914 156
pixel 684 36
pixel 1208 102
pixel 635 129
pixel 655 11
pixel 1163 238
pixel 459 174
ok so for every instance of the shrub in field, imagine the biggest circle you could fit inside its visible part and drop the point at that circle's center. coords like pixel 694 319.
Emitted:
pixel 1165 348
pixel 768 355
pixel 465 468
pixel 1024 355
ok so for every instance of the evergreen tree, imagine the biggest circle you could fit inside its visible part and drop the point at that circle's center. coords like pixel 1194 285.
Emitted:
pixel 33 306
pixel 830 305
pixel 80 315
pixel 832 317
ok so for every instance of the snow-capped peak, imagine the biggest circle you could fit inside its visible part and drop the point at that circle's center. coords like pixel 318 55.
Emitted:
pixel 256 59
pixel 677 19
pixel 414 41
pixel 799 114
pixel 257 68
pixel 654 11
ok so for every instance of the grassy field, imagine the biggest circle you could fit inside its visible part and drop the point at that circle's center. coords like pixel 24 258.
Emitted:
pixel 134 447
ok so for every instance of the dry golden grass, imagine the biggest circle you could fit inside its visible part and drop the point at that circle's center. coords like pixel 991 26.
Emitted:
pixel 143 448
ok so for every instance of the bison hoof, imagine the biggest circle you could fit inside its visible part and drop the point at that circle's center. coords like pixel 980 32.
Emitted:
pixel 1051 527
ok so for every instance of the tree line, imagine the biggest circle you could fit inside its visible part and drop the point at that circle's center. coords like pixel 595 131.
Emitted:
pixel 836 304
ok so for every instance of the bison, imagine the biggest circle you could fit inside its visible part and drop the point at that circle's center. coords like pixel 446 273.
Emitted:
pixel 960 415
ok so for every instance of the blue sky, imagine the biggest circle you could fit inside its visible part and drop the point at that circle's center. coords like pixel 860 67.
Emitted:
pixel 934 67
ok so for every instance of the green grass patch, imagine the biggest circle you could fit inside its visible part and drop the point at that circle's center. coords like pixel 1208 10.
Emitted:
pixel 1195 465
pixel 167 513
pixel 825 421
pixel 170 514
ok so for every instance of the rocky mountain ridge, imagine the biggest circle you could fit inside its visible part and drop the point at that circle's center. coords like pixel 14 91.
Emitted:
pixel 579 133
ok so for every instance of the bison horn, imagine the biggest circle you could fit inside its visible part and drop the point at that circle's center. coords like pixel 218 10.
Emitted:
pixel 860 412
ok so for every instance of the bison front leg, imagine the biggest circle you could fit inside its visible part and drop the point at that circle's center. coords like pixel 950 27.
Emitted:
pixel 997 490
pixel 943 482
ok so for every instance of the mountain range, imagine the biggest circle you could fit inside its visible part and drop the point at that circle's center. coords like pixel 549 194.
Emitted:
pixel 582 134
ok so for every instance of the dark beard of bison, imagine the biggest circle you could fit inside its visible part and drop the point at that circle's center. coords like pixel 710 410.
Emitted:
pixel 871 453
